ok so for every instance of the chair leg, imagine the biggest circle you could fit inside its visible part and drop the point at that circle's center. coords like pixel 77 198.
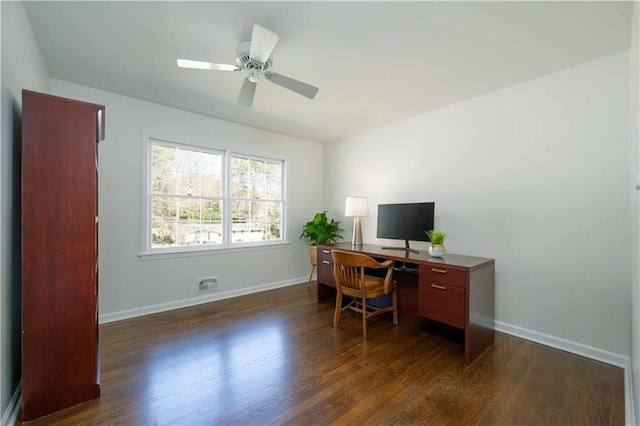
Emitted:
pixel 336 315
pixel 364 318
pixel 313 267
pixel 394 297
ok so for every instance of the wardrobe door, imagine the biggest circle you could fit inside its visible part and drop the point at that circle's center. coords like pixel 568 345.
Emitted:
pixel 59 252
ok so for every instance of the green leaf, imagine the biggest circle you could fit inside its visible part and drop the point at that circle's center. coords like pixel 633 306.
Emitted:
pixel 436 237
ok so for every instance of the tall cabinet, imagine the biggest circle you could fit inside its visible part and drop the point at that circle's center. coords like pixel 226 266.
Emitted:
pixel 60 335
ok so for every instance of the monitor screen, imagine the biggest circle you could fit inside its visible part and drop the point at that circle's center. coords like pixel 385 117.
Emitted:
pixel 408 221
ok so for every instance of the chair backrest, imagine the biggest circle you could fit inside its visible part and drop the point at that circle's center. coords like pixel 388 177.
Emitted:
pixel 349 269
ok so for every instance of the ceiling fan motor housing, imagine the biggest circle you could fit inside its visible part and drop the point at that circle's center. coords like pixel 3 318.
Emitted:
pixel 245 61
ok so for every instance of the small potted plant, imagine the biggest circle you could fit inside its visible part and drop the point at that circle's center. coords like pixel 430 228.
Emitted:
pixel 321 230
pixel 436 248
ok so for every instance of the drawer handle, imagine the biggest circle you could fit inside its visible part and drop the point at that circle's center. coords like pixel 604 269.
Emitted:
pixel 326 251
pixel 439 287
pixel 440 271
pixel 326 262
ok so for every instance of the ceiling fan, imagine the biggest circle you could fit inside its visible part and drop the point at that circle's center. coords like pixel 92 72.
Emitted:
pixel 254 56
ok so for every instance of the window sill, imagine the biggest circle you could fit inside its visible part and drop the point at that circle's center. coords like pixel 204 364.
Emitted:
pixel 169 254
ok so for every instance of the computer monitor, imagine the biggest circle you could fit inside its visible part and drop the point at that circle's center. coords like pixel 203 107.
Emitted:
pixel 407 221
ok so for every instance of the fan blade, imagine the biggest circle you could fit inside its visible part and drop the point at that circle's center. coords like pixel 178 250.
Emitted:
pixel 299 87
pixel 245 98
pixel 262 43
pixel 198 65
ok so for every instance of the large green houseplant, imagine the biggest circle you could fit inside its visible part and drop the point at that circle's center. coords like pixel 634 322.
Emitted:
pixel 321 230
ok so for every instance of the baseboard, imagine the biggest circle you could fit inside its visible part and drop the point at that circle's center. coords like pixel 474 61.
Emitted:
pixel 209 297
pixel 10 415
pixel 629 411
pixel 565 345
pixel 587 351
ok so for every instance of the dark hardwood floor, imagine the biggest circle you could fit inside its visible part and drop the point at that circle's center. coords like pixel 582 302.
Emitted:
pixel 274 358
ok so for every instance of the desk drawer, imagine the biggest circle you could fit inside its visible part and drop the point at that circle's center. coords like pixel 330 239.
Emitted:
pixel 442 302
pixel 325 267
pixel 443 275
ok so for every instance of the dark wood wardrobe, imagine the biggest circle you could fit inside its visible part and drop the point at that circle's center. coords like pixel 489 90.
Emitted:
pixel 60 335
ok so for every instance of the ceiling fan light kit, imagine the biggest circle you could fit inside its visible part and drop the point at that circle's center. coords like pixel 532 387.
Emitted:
pixel 253 75
pixel 255 56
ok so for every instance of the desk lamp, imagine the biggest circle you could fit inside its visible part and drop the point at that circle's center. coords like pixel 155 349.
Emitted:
pixel 356 207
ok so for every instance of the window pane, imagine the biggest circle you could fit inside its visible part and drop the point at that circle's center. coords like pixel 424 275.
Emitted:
pixel 239 177
pixel 186 173
pixel 164 221
pixel 273 220
pixel 256 179
pixel 212 212
pixel 194 233
pixel 274 181
pixel 162 176
pixel 243 228
pixel 181 171
pixel 241 211
pixel 259 181
pixel 162 234
pixel 182 222
pixel 211 185
pixel 164 209
pixel 256 221
pixel 189 210
pixel 211 175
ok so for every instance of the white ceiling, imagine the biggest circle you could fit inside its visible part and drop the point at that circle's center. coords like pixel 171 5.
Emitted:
pixel 374 62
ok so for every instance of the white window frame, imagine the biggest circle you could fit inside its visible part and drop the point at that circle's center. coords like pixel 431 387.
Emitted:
pixel 150 252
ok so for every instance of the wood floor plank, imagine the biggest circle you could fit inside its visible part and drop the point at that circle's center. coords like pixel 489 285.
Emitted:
pixel 275 358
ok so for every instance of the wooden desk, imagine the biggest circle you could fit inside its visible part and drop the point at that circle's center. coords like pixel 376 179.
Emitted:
pixel 454 289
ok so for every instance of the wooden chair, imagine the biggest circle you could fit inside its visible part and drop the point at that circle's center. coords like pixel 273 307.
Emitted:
pixel 351 280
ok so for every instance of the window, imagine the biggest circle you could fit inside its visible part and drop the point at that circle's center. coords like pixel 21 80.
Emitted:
pixel 256 199
pixel 200 198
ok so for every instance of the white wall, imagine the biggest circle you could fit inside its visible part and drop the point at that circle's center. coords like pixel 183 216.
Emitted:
pixel 634 139
pixel 129 283
pixel 22 68
pixel 534 176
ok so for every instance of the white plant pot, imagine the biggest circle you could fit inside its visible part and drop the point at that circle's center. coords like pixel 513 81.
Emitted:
pixel 436 250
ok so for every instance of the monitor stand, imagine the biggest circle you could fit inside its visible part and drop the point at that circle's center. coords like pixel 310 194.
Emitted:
pixel 405 248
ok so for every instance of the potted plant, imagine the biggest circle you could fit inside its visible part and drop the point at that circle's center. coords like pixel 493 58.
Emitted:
pixel 321 230
pixel 436 249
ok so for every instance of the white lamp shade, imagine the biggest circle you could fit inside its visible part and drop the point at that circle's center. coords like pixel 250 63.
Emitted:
pixel 357 206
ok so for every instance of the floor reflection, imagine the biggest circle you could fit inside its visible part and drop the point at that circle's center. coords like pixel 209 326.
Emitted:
pixel 217 377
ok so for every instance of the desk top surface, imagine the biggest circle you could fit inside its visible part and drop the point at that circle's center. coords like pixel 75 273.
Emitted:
pixel 456 261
